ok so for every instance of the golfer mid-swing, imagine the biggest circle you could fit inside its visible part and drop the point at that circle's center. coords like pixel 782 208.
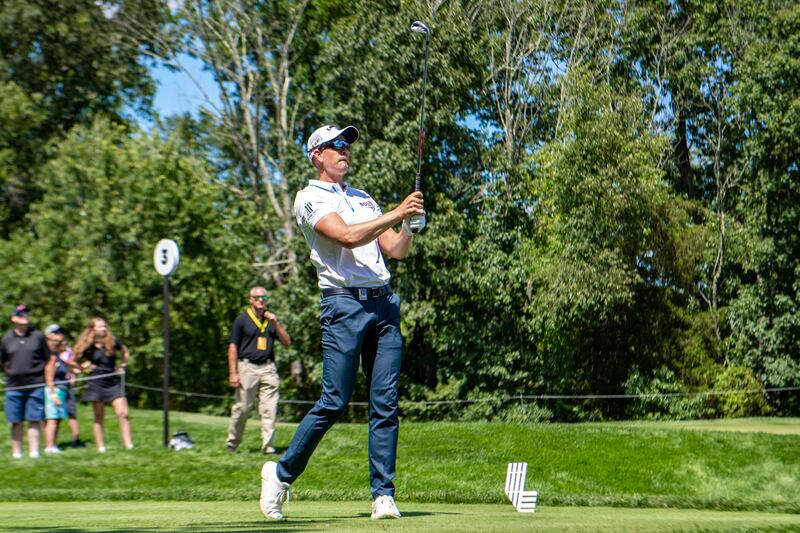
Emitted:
pixel 360 316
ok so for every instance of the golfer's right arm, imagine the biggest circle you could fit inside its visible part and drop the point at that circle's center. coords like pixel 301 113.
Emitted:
pixel 354 235
pixel 233 372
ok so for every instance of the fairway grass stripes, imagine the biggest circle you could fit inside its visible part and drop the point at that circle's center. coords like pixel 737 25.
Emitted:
pixel 240 517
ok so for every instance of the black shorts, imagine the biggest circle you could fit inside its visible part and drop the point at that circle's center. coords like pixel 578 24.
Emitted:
pixel 72 404
pixel 103 390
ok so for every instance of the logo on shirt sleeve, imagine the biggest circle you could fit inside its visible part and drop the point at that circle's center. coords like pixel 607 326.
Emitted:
pixel 367 203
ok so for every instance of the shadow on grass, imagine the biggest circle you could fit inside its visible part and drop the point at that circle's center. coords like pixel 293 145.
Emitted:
pixel 423 513
pixel 209 527
pixel 256 451
pixel 292 524
pixel 412 513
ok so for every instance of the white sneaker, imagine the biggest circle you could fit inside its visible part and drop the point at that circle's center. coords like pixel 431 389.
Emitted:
pixel 384 507
pixel 17 455
pixel 101 449
pixel 53 449
pixel 34 454
pixel 274 493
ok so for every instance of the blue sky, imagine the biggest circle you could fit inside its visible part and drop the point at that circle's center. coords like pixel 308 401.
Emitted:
pixel 177 93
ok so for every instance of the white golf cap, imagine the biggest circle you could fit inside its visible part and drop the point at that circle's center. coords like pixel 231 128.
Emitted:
pixel 329 133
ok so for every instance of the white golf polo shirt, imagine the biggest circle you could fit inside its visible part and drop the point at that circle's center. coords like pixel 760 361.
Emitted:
pixel 336 265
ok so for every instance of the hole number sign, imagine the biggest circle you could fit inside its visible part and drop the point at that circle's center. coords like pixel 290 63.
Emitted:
pixel 166 257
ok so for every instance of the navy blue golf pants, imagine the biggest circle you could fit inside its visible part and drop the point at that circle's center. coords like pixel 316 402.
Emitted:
pixel 352 329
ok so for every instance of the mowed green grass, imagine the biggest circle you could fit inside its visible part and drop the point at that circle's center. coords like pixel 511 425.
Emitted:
pixel 240 517
pixel 634 465
pixel 776 426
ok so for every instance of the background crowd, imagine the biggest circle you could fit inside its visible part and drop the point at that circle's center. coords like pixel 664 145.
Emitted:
pixel 40 370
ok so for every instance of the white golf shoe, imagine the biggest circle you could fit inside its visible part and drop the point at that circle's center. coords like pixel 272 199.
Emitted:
pixel 384 507
pixel 274 493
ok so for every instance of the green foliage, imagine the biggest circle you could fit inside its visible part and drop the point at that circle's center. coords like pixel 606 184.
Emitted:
pixel 514 412
pixel 73 62
pixel 611 188
pixel 752 401
pixel 73 54
pixel 664 397
pixel 599 190
pixel 764 332
pixel 109 197
pixel 602 256
pixel 21 115
pixel 764 318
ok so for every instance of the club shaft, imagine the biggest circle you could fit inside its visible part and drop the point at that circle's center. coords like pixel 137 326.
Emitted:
pixel 418 183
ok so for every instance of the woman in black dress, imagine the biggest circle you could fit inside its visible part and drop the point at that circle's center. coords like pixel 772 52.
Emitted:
pixel 101 354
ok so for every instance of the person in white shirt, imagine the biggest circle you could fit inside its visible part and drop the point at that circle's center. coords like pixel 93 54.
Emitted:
pixel 348 233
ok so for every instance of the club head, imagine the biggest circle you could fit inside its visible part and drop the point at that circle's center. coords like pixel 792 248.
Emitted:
pixel 420 27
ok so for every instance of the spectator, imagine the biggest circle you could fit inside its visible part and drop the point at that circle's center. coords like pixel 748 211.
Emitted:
pixel 105 358
pixel 59 400
pixel 24 354
pixel 252 370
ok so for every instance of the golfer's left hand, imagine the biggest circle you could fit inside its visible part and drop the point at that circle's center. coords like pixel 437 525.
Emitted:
pixel 412 205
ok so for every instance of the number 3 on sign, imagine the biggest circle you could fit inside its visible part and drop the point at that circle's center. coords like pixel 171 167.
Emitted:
pixel 165 257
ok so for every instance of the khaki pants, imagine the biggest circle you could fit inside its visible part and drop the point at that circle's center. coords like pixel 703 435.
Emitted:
pixel 263 381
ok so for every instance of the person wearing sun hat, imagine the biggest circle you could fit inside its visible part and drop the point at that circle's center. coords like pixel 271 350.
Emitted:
pixel 24 354
pixel 59 399
pixel 348 235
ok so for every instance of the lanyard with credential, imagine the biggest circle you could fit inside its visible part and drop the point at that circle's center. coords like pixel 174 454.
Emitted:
pixel 260 325
pixel 261 343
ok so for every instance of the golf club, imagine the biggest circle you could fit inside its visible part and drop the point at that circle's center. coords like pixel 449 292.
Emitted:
pixel 420 27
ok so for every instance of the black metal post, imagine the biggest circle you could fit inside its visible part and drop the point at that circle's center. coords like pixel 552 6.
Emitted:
pixel 166 361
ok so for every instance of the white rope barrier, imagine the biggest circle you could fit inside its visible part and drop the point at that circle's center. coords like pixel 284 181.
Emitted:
pixel 509 398
pixel 602 396
pixel 65 382
pixel 221 397
pixel 519 397
pixel 178 392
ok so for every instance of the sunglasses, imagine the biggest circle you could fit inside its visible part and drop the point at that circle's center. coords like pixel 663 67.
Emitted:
pixel 336 144
pixel 262 298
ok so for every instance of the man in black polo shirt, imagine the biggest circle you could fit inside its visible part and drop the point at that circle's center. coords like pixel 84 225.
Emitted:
pixel 251 363
pixel 24 353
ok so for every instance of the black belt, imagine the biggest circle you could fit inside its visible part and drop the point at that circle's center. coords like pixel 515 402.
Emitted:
pixel 359 293
pixel 254 363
